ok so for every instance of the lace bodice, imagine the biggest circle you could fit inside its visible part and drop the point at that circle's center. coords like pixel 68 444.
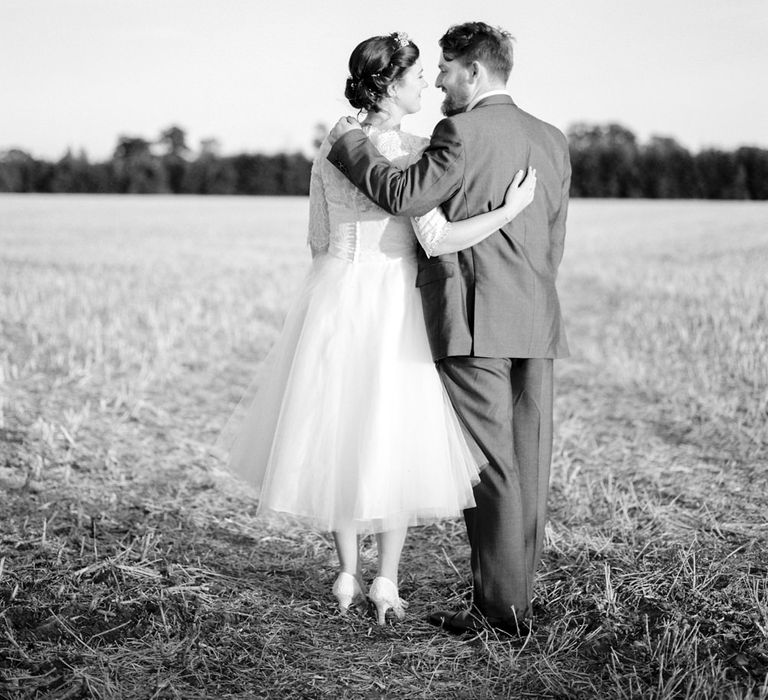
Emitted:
pixel 348 225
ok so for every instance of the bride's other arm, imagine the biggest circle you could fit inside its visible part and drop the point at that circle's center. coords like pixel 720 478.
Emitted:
pixel 439 236
pixel 319 231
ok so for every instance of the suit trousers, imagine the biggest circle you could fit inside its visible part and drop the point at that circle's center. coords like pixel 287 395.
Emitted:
pixel 506 406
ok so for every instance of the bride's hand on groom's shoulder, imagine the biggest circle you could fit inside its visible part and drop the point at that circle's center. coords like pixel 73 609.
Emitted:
pixel 341 127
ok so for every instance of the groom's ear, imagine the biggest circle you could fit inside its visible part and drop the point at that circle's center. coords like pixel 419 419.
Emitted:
pixel 475 71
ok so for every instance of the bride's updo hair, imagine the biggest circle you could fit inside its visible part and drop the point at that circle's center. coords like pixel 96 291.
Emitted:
pixel 374 65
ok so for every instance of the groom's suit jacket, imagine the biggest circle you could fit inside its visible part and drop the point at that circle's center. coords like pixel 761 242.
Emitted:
pixel 498 298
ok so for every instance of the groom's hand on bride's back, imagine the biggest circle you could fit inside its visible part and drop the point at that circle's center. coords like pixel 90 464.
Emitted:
pixel 343 126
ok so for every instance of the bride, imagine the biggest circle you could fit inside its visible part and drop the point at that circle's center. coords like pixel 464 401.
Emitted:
pixel 351 430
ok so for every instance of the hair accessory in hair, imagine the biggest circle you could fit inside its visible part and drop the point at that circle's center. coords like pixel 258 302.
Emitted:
pixel 401 38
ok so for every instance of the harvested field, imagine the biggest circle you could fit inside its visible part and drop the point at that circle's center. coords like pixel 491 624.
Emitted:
pixel 131 567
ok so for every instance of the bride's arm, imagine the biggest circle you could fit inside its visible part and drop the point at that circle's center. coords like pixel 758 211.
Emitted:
pixel 319 230
pixel 438 236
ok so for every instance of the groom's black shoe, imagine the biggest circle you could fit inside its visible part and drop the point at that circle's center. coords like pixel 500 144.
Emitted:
pixel 467 621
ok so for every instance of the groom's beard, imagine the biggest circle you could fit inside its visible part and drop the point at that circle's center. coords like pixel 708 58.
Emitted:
pixel 453 105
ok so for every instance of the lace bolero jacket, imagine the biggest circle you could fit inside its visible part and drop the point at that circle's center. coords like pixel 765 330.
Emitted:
pixel 344 222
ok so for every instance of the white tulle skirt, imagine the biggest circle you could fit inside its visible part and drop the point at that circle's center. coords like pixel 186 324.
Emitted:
pixel 351 426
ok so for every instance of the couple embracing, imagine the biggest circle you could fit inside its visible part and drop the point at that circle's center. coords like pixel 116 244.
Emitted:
pixel 412 380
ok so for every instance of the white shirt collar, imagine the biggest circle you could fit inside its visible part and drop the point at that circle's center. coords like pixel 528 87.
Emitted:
pixel 486 94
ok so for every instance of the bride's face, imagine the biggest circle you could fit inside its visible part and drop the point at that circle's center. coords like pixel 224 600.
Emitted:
pixel 407 91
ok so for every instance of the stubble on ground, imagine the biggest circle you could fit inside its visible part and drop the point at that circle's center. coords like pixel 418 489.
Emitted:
pixel 131 567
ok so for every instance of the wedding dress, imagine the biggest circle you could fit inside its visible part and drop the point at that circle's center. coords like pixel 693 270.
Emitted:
pixel 351 426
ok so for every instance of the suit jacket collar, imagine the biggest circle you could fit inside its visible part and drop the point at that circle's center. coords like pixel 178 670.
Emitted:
pixel 496 98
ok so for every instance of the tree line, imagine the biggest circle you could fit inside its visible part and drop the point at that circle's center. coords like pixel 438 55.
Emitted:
pixel 607 161
pixel 164 166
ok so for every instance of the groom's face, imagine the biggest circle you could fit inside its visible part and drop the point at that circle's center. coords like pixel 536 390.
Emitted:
pixel 453 79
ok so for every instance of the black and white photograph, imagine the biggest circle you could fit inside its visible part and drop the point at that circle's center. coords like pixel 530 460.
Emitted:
pixel 383 350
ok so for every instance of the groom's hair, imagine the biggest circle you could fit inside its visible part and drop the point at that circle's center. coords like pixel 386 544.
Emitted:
pixel 478 41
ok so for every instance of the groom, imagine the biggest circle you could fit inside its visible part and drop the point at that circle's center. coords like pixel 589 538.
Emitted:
pixel 492 311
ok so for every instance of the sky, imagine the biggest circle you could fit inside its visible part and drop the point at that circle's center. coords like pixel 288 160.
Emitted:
pixel 259 75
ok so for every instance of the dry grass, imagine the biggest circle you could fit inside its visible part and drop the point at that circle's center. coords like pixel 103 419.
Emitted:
pixel 130 569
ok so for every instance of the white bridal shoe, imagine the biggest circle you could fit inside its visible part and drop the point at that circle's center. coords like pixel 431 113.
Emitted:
pixel 384 596
pixel 347 590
